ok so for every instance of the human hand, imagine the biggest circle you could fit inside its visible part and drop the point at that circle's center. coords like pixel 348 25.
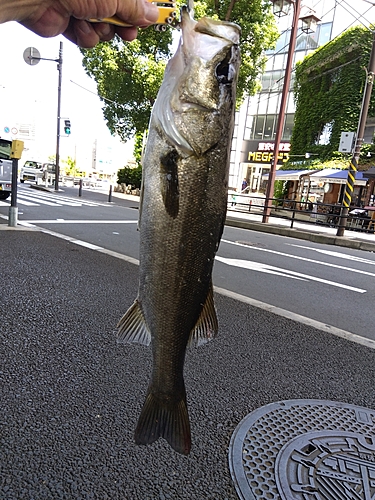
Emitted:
pixel 49 18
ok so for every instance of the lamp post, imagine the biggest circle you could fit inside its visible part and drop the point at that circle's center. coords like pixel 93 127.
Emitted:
pixel 282 8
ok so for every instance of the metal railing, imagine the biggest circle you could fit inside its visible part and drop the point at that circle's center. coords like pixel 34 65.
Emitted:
pixel 324 214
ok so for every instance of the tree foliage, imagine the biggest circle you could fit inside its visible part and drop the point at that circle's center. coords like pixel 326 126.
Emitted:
pixel 329 87
pixel 128 175
pixel 129 75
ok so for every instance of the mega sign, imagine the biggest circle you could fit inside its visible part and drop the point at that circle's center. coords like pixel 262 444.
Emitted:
pixel 264 154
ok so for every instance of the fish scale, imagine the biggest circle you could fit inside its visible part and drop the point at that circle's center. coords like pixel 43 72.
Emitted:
pixel 182 214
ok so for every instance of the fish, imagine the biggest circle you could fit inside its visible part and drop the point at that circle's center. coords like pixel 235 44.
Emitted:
pixel 182 213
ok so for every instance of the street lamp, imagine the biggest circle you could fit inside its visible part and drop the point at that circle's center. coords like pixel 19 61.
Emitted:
pixel 32 57
pixel 309 23
pixel 282 8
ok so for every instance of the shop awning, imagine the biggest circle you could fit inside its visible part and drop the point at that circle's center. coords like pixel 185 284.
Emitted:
pixel 288 175
pixel 335 176
pixel 370 173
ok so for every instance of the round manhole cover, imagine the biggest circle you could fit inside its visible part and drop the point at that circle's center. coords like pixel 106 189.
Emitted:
pixel 305 450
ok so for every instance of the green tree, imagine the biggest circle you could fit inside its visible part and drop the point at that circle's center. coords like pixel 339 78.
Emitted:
pixel 129 75
pixel 128 175
pixel 70 166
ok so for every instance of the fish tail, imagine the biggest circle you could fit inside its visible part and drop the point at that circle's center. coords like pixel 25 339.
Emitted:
pixel 167 420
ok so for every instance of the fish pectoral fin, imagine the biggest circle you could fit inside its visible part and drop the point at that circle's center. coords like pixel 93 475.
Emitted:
pixel 167 420
pixel 132 327
pixel 207 326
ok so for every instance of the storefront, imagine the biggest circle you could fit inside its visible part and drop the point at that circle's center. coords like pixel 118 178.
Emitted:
pixel 256 161
pixel 334 182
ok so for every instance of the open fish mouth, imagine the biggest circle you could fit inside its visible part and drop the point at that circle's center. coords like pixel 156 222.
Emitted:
pixel 207 49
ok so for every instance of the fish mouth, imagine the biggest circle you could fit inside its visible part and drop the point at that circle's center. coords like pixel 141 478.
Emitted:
pixel 198 79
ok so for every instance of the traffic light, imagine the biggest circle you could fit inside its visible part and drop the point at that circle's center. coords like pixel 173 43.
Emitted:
pixel 67 129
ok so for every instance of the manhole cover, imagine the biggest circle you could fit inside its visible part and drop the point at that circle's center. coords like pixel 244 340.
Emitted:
pixel 305 450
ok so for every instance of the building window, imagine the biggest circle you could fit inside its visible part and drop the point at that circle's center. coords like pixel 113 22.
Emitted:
pixel 259 127
pixel 269 127
pixel 288 126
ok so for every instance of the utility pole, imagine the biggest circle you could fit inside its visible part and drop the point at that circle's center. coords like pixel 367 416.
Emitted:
pixel 358 142
pixel 59 68
pixel 32 57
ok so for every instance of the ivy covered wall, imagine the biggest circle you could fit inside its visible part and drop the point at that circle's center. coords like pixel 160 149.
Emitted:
pixel 329 85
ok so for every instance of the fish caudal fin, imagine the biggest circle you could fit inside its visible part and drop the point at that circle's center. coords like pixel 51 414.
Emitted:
pixel 132 327
pixel 207 326
pixel 170 421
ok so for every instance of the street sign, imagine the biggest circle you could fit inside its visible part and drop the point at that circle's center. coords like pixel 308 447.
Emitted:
pixel 31 56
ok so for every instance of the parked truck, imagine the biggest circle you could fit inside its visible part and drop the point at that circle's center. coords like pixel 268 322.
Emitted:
pixel 5 169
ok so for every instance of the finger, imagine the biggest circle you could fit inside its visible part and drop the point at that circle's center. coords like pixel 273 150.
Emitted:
pixel 138 12
pixel 127 34
pixel 84 34
pixel 104 31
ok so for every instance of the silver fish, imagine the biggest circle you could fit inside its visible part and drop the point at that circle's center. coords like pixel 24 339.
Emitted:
pixel 182 214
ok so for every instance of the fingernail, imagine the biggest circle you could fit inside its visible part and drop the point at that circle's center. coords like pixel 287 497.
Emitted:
pixel 151 12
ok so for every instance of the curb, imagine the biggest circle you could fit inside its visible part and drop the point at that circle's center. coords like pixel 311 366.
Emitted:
pixel 302 235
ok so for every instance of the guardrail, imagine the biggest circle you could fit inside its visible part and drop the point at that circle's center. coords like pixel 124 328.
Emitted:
pixel 325 214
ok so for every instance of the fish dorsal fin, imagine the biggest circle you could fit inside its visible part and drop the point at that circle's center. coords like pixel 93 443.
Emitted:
pixel 132 327
pixel 207 325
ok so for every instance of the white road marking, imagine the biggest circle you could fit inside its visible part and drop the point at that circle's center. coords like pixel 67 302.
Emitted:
pixel 67 221
pixel 298 318
pixel 21 200
pixel 336 254
pixel 242 298
pixel 30 197
pixel 296 257
pixel 257 266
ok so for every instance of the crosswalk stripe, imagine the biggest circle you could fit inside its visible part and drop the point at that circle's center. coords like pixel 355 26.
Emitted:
pixel 27 198
pixel 62 199
pixel 45 199
pixel 20 199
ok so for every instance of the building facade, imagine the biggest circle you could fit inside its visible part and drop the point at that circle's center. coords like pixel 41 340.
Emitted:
pixel 256 121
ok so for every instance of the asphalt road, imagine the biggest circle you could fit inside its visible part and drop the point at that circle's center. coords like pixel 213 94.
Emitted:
pixel 330 285
pixel 71 396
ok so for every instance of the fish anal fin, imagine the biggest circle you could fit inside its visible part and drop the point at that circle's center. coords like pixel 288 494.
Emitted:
pixel 206 327
pixel 167 420
pixel 132 327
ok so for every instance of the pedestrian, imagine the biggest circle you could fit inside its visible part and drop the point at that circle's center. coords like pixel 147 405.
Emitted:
pixel 49 18
pixel 244 185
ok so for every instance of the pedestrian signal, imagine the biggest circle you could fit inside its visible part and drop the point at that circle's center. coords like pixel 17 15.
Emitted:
pixel 67 128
